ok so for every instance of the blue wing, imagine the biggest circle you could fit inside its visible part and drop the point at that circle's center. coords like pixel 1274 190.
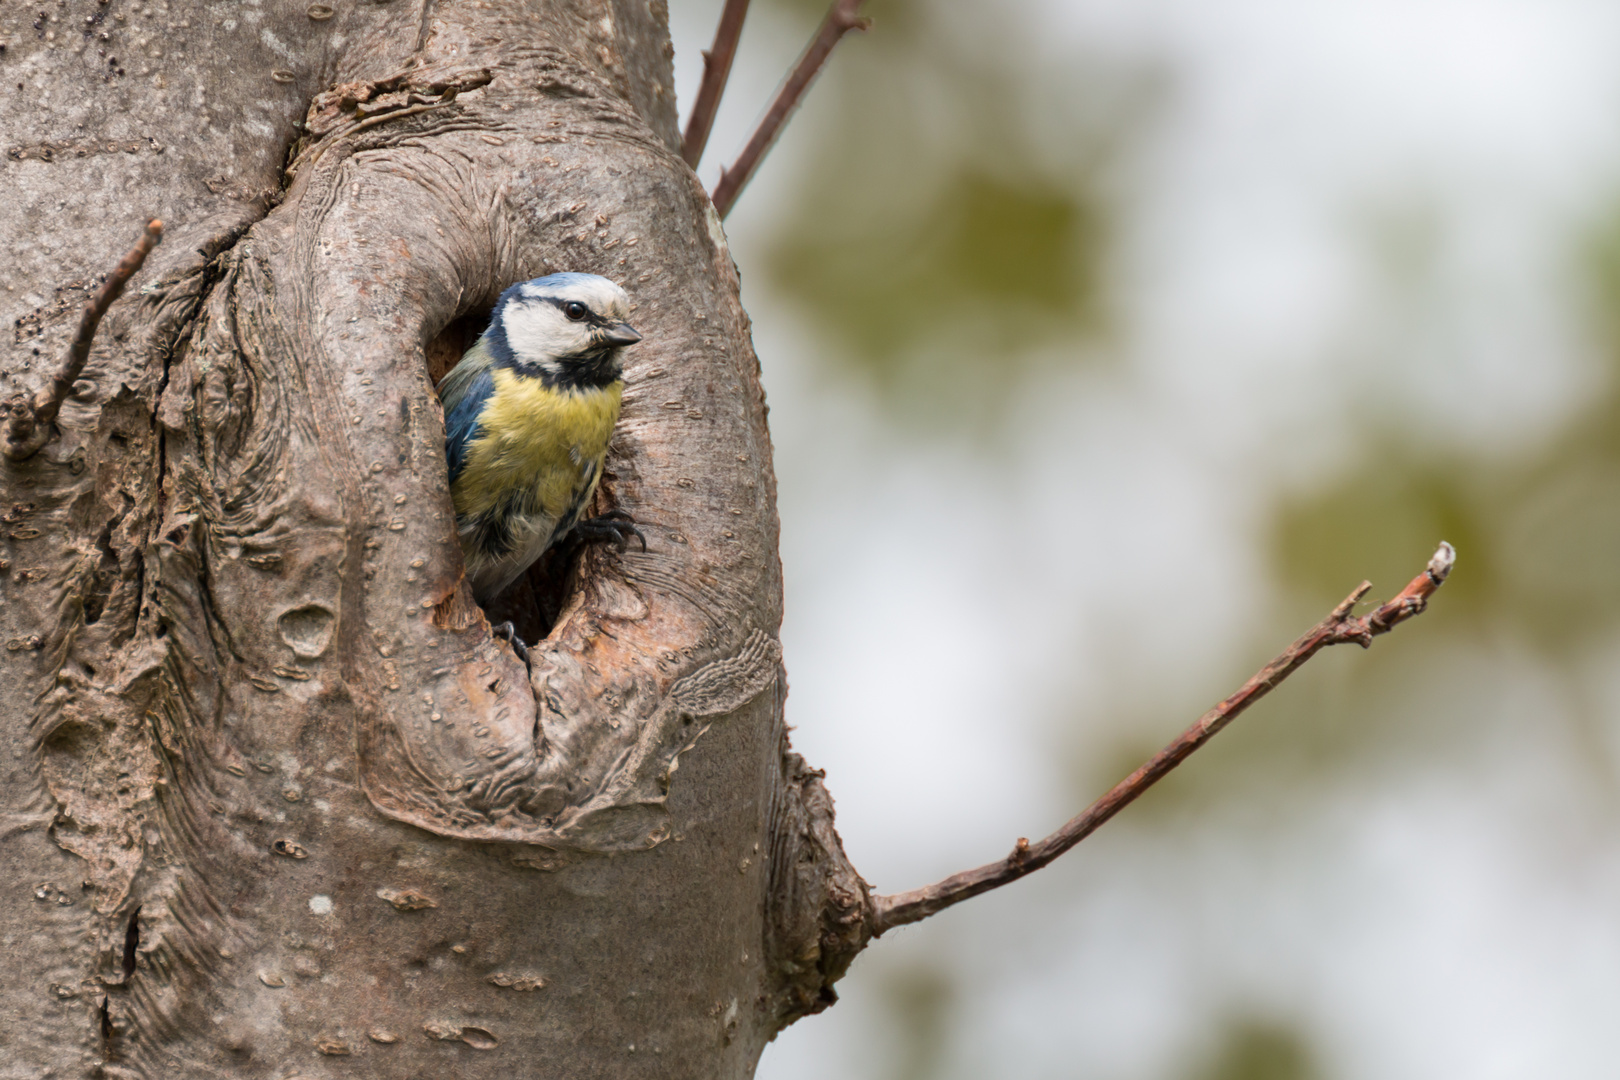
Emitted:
pixel 465 391
pixel 461 423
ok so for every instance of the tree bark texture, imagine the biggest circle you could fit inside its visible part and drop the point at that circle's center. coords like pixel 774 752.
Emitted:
pixel 272 801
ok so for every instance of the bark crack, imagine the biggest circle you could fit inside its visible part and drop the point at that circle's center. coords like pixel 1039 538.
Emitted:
pixel 132 943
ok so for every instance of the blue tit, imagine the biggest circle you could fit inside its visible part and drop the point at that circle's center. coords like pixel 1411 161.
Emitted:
pixel 528 412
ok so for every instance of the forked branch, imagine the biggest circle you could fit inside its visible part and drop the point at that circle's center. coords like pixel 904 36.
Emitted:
pixel 1340 626
pixel 841 18
pixel 29 421
pixel 716 70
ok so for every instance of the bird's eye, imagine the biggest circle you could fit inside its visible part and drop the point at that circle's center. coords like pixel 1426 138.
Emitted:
pixel 575 310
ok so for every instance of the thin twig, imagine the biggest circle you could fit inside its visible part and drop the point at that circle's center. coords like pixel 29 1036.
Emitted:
pixel 29 423
pixel 841 18
pixel 716 70
pixel 1339 627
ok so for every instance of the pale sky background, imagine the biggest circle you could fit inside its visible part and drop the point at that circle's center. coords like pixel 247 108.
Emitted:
pixel 1348 292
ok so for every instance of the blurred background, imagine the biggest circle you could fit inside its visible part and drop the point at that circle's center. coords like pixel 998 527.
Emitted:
pixel 1108 344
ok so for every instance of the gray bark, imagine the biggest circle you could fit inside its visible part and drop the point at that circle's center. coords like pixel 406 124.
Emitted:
pixel 272 802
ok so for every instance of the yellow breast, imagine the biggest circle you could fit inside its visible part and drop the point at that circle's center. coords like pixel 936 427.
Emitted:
pixel 536 438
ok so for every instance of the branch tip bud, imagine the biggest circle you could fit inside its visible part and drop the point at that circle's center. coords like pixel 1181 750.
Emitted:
pixel 1445 557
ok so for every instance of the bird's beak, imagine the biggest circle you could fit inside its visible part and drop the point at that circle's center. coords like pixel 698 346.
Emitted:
pixel 620 334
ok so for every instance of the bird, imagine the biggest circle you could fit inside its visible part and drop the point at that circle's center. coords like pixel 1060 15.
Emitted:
pixel 528 412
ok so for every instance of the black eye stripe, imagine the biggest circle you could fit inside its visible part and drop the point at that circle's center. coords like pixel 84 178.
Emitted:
pixel 591 317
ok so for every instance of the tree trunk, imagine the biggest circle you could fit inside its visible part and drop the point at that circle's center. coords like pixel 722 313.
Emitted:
pixel 272 801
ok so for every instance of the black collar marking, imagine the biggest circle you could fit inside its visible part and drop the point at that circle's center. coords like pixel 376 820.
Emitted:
pixel 579 371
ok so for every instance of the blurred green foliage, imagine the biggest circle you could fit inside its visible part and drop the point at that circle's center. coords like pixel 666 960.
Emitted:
pixel 1382 521
pixel 1261 1051
pixel 919 1000
pixel 946 248
pixel 979 252
pixel 1536 534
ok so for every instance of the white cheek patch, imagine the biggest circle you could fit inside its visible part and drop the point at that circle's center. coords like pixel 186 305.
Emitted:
pixel 538 330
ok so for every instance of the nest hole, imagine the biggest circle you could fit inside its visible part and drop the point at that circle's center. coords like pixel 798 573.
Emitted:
pixel 446 347
pixel 532 603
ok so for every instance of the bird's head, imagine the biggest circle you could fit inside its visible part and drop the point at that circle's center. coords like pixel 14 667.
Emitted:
pixel 566 329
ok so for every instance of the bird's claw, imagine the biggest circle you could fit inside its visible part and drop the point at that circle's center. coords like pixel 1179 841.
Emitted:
pixel 509 633
pixel 615 527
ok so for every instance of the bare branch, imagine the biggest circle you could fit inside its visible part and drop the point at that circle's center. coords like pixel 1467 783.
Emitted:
pixel 29 422
pixel 1339 627
pixel 841 18
pixel 716 70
